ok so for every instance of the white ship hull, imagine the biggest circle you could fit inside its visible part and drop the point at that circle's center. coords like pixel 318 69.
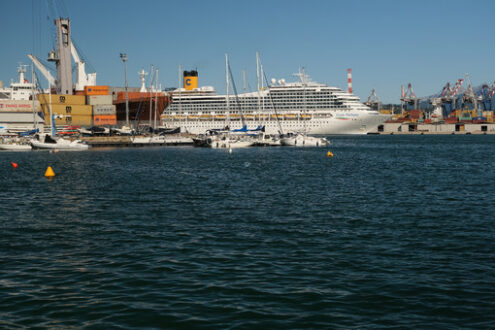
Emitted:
pixel 360 123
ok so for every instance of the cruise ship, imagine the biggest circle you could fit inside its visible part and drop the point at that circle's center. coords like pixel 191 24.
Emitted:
pixel 302 106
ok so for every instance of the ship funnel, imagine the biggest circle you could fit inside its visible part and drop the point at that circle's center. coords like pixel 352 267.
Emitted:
pixel 190 80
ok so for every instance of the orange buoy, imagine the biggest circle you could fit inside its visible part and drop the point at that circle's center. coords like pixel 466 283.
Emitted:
pixel 49 172
pixel 329 154
pixel 14 165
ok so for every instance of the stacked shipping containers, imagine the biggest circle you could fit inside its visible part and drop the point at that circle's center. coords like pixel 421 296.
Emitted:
pixel 94 108
pixel 104 113
pixel 67 109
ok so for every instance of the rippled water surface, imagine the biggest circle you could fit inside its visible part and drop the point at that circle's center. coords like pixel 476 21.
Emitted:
pixel 393 231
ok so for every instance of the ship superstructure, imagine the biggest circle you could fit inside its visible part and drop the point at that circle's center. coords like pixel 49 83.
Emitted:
pixel 304 106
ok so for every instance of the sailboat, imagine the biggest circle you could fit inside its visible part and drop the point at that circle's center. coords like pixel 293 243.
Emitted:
pixel 53 141
pixel 15 144
pixel 301 139
pixel 227 139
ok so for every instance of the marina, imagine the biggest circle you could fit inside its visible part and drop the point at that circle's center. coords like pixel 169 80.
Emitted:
pixel 247 165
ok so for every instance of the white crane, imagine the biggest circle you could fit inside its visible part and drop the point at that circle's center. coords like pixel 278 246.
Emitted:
pixel 43 70
pixel 82 79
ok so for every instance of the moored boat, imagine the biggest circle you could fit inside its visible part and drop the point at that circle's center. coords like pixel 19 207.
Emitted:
pixel 48 142
pixel 303 140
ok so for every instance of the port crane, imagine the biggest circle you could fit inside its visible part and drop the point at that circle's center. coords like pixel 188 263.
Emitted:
pixel 62 56
pixel 469 95
pixel 486 96
pixel 408 97
pixel 373 100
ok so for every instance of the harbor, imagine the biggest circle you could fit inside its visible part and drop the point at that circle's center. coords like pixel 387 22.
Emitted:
pixel 247 164
pixel 78 109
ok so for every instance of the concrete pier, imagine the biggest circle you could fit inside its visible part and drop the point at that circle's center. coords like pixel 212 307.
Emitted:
pixel 412 128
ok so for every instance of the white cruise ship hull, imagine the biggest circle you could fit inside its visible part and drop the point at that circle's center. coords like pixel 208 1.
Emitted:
pixel 359 123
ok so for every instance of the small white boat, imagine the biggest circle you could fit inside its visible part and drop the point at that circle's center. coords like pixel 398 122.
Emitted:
pixel 226 142
pixel 161 140
pixel 303 140
pixel 15 144
pixel 15 147
pixel 268 140
pixel 58 143
pixel 124 130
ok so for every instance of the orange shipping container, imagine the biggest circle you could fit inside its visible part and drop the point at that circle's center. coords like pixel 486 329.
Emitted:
pixel 96 90
pixel 105 120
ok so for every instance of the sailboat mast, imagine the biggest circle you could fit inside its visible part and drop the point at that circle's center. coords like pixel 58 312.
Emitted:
pixel 180 87
pixel 52 124
pixel 35 125
pixel 156 99
pixel 151 92
pixel 228 87
pixel 258 82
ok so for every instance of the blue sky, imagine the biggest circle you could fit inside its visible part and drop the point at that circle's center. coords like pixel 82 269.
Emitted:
pixel 386 43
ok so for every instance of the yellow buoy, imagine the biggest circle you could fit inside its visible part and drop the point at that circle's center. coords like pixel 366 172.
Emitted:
pixel 329 153
pixel 49 172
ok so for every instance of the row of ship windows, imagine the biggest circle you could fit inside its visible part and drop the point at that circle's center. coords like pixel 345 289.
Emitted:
pixel 255 100
pixel 201 124
pixel 256 109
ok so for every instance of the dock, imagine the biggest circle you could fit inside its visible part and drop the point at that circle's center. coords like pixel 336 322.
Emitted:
pixel 138 141
pixel 414 128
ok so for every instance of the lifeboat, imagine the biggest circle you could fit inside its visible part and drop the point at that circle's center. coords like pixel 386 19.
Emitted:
pixel 205 117
pixel 305 116
pixel 290 116
pixel 276 116
pixel 179 117
pixel 192 117
pixel 249 117
pixel 220 117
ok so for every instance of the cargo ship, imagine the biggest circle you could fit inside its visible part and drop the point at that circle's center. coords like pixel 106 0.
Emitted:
pixel 304 106
pixel 143 105
pixel 16 106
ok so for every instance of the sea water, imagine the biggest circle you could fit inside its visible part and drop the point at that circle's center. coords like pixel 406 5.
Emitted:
pixel 393 231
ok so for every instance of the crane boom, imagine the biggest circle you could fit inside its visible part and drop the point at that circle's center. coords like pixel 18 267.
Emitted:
pixel 43 70
pixel 74 53
pixel 82 79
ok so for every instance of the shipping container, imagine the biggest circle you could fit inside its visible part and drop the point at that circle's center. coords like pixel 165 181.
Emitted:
pixel 62 99
pixel 105 120
pixel 99 99
pixel 96 90
pixel 414 113
pixel 58 109
pixel 450 120
pixel 81 120
pixel 99 110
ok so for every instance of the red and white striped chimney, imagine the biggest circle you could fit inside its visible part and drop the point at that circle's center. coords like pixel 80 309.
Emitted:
pixel 349 80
